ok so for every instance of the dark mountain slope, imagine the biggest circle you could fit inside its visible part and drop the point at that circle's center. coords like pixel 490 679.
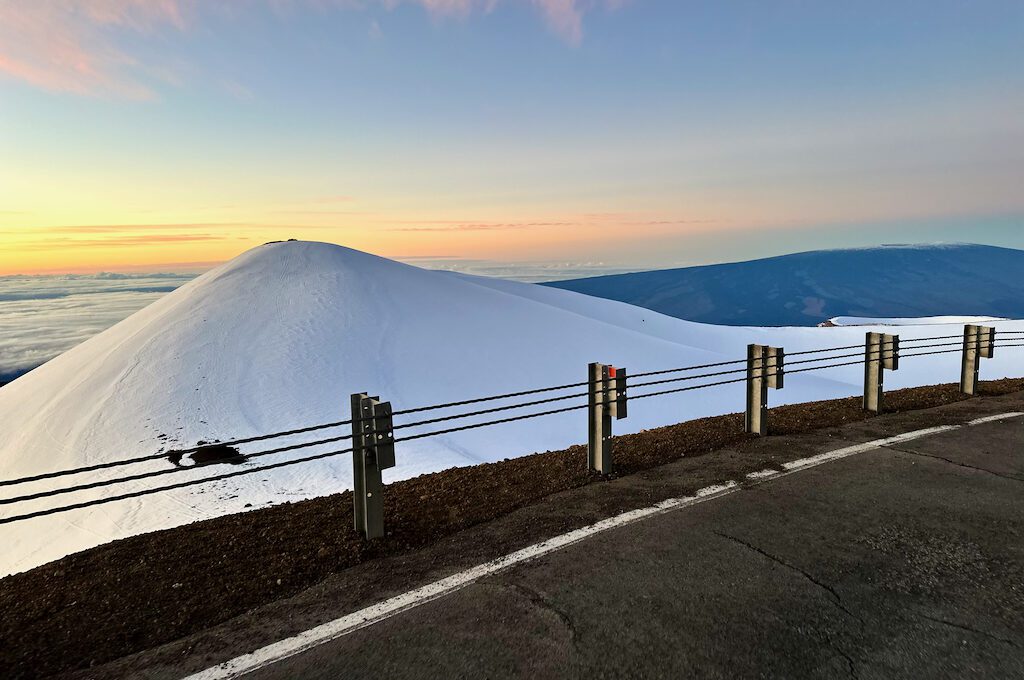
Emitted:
pixel 804 289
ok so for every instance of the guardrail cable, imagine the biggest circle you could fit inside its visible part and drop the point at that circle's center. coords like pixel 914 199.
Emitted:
pixel 686 377
pixel 157 473
pixel 911 344
pixel 687 368
pixel 935 337
pixel 686 389
pixel 168 487
pixel 157 456
pixel 508 395
pixel 819 351
pixel 903 355
pixel 459 416
pixel 490 422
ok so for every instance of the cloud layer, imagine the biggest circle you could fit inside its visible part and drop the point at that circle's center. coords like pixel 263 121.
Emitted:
pixel 71 45
pixel 43 316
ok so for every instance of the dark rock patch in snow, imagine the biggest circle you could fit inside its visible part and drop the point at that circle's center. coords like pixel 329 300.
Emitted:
pixel 207 454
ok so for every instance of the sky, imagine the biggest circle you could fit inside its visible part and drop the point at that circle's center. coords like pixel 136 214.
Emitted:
pixel 164 135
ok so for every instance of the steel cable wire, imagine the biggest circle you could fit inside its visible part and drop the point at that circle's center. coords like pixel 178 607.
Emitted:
pixel 509 395
pixel 769 363
pixel 936 337
pixel 921 354
pixel 147 475
pixel 687 368
pixel 157 456
pixel 490 422
pixel 819 351
pixel 687 389
pixel 497 409
pixel 687 377
pixel 157 473
pixel 168 487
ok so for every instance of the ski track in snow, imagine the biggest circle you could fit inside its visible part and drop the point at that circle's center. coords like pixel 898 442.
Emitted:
pixel 280 337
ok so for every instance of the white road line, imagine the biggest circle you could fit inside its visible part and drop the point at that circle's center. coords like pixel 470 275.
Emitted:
pixel 830 456
pixel 368 616
pixel 989 419
pixel 388 608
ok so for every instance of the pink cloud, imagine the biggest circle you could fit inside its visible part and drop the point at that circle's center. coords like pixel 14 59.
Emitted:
pixel 565 18
pixel 64 45
pixel 69 45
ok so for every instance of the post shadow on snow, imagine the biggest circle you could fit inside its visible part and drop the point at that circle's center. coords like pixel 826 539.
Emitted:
pixel 207 454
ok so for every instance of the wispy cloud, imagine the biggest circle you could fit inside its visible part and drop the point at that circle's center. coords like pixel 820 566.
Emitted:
pixel 123 228
pixel 597 220
pixel 71 45
pixel 478 226
pixel 66 45
pixel 55 243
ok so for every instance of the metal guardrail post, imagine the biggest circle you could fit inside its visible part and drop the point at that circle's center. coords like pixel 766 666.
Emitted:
pixel 765 369
pixel 595 438
pixel 358 447
pixel 373 450
pixel 979 343
pixel 606 400
pixel 881 351
pixel 619 405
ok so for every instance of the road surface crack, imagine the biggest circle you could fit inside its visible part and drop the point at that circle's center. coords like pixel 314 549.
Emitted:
pixel 969 629
pixel 833 595
pixel 849 659
pixel 541 602
pixel 953 462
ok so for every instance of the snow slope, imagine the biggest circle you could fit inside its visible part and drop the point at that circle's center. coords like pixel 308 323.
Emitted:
pixel 280 336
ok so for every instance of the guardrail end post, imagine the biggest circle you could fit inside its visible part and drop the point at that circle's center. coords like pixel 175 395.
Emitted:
pixel 979 343
pixel 606 400
pixel 765 368
pixel 599 416
pixel 609 406
pixel 619 405
pixel 872 372
pixel 753 421
pixel 358 457
pixel 373 450
pixel 881 352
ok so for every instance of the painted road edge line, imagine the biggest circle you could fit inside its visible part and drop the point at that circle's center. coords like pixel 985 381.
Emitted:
pixel 382 610
pixel 998 416
pixel 829 456
pixel 375 613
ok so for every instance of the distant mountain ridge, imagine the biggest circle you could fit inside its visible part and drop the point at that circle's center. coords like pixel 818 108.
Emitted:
pixel 804 289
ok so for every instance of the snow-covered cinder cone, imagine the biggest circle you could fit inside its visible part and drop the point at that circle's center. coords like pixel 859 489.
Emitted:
pixel 281 336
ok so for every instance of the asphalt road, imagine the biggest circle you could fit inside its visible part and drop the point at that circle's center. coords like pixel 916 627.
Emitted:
pixel 895 563
pixel 899 562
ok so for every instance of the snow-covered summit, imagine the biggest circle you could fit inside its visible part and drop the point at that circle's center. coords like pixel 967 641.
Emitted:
pixel 282 335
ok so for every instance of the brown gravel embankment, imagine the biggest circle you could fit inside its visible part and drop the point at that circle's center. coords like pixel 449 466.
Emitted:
pixel 143 591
